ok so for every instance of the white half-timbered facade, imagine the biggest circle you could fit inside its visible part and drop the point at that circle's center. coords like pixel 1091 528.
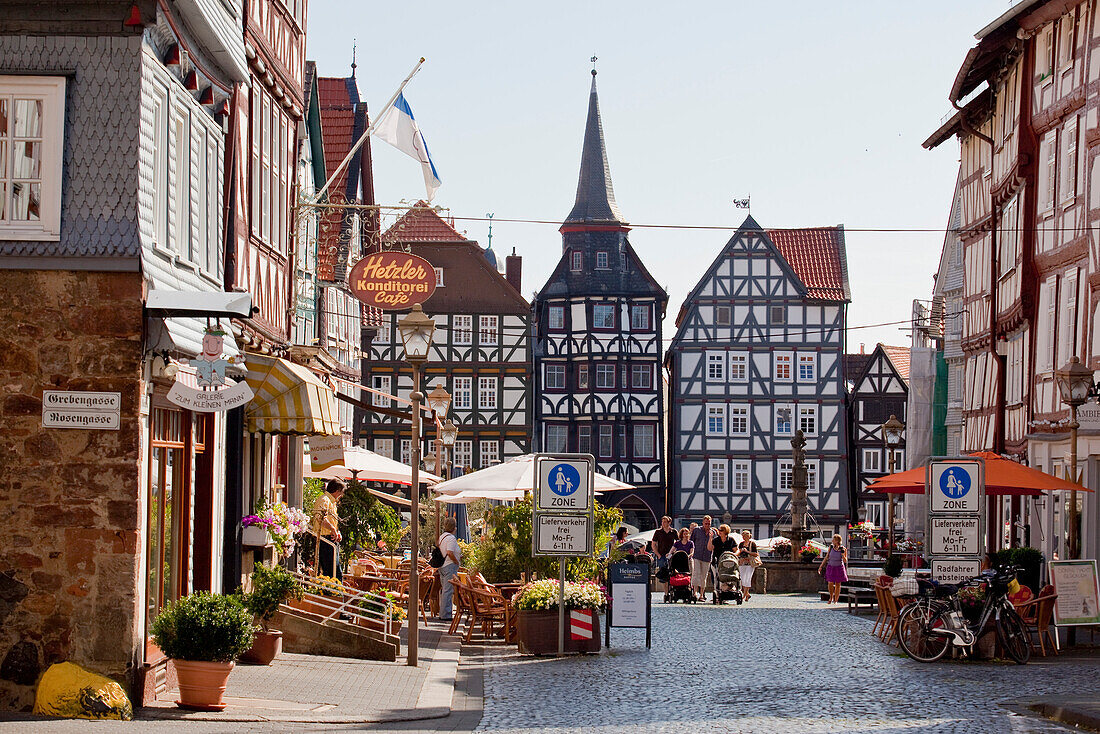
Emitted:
pixel 758 355
pixel 481 353
pixel 598 344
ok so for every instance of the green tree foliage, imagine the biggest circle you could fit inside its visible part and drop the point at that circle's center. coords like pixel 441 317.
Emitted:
pixel 363 519
pixel 505 551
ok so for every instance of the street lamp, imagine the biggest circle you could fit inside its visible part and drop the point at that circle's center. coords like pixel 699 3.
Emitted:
pixel 1075 386
pixel 892 431
pixel 439 400
pixel 417 331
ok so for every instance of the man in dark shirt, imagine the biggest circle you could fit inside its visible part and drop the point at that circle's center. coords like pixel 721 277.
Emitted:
pixel 663 538
pixel 700 559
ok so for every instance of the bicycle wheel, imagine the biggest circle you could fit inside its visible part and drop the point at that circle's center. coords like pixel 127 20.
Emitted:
pixel 915 624
pixel 1013 636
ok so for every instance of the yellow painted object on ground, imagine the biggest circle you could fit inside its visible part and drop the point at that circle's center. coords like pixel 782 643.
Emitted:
pixel 69 691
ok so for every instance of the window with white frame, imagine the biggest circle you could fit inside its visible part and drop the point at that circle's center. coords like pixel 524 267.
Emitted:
pixel 716 420
pixel 406 451
pixel 717 475
pixel 811 476
pixel 1065 40
pixel 582 377
pixel 605 376
pixel 490 453
pixel 786 476
pixel 784 420
pixel 872 460
pixel 584 439
pixel 576 261
pixel 488 330
pixel 383 384
pixel 621 432
pixel 641 376
pixel 487 393
pixel 1048 169
pixel 1067 175
pixel 439 277
pixel 32 143
pixel 272 134
pixel 181 183
pixel 807 419
pixel 601 260
pixel 739 367
pixel 606 440
pixel 554 377
pixel 462 329
pixel 557 438
pixel 643 442
pixel 1044 53
pixel 639 318
pixel 383 334
pixel 898 456
pixel 384 447
pixel 782 371
pixel 807 368
pixel 555 317
pixel 876 513
pixel 777 315
pixel 741 481
pixel 603 316
pixel 739 420
pixel 462 454
pixel 461 392
pixel 1067 317
pixel 722 315
pixel 716 367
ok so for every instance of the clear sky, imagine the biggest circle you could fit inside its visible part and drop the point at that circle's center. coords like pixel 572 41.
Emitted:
pixel 817 110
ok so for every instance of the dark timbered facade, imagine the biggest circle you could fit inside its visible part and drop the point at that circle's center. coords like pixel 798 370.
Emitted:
pixel 758 355
pixel 880 389
pixel 598 344
pixel 481 352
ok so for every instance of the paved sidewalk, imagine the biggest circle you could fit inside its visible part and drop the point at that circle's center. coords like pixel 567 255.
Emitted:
pixel 1083 713
pixel 305 692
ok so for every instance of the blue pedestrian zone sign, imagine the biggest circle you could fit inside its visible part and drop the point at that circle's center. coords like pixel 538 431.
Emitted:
pixel 562 483
pixel 955 486
pixel 565 480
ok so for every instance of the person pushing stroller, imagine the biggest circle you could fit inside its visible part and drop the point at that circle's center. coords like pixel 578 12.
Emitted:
pixel 724 570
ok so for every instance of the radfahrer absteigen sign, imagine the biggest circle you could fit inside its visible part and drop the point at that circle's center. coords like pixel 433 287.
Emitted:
pixel 956 517
pixel 563 519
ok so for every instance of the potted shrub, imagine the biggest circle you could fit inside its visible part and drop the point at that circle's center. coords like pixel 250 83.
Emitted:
pixel 203 634
pixel 808 554
pixel 537 616
pixel 270 588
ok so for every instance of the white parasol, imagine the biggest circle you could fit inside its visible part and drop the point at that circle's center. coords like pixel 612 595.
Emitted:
pixel 507 481
pixel 367 466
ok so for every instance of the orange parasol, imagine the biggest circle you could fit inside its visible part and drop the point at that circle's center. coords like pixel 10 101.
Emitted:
pixel 1002 476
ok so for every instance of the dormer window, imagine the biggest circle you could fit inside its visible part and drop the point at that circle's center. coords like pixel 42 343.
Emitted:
pixel 601 261
pixel 576 261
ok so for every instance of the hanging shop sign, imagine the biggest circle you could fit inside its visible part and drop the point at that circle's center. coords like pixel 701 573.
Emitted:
pixel 392 280
pixel 213 394
pixel 325 452
pixel 100 411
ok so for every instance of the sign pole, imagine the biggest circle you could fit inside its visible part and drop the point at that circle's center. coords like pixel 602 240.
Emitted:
pixel 561 606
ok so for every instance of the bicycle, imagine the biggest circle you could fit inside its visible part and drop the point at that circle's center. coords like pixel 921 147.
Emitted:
pixel 934 622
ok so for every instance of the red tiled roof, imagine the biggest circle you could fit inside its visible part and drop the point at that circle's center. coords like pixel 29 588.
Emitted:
pixel 422 224
pixel 817 256
pixel 900 357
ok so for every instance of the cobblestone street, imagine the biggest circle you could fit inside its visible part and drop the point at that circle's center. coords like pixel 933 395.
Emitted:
pixel 776 664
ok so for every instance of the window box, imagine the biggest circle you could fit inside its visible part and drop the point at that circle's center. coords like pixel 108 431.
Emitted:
pixel 255 536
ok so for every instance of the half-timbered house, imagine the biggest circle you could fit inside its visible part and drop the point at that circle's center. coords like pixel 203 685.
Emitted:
pixel 879 390
pixel 598 343
pixel 758 355
pixel 481 353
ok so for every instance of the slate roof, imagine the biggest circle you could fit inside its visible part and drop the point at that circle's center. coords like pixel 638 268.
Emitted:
pixel 422 223
pixel 899 356
pixel 817 255
pixel 855 364
pixel 595 196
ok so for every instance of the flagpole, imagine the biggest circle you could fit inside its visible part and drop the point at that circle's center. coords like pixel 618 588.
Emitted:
pixel 321 192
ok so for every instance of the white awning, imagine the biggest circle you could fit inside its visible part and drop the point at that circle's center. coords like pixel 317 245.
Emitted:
pixel 199 303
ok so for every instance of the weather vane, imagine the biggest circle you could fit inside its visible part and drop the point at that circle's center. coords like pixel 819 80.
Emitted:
pixel 593 60
pixel 742 203
pixel 490 216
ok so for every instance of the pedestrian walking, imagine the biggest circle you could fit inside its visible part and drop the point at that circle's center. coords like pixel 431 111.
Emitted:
pixel 748 558
pixel 615 542
pixel 325 523
pixel 683 542
pixel 719 544
pixel 701 556
pixel 663 539
pixel 452 559
pixel 835 568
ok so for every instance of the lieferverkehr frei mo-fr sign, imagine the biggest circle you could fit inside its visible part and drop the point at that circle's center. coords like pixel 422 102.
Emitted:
pixel 563 535
pixel 955 536
pixel 84 409
pixel 564 484
pixel 955 486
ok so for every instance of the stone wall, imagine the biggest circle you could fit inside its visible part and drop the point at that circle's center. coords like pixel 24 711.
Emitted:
pixel 70 547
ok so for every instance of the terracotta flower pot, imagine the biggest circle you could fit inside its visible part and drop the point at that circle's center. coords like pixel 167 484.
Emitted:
pixel 202 684
pixel 266 646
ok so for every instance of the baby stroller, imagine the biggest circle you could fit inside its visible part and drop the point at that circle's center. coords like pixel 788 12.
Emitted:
pixel 678 577
pixel 728 582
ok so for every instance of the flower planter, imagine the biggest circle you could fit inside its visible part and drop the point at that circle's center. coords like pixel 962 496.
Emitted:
pixel 202 684
pixel 256 536
pixel 537 633
pixel 265 647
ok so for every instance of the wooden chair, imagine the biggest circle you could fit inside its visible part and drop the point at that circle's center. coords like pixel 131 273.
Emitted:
pixel 460 605
pixel 487 610
pixel 880 618
pixel 1037 614
pixel 888 634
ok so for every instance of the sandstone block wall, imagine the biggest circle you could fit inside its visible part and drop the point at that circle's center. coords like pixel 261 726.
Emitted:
pixel 70 524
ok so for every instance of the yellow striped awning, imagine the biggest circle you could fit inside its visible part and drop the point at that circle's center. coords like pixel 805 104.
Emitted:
pixel 289 398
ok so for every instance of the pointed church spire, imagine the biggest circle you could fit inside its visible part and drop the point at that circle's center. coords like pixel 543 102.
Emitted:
pixel 595 195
